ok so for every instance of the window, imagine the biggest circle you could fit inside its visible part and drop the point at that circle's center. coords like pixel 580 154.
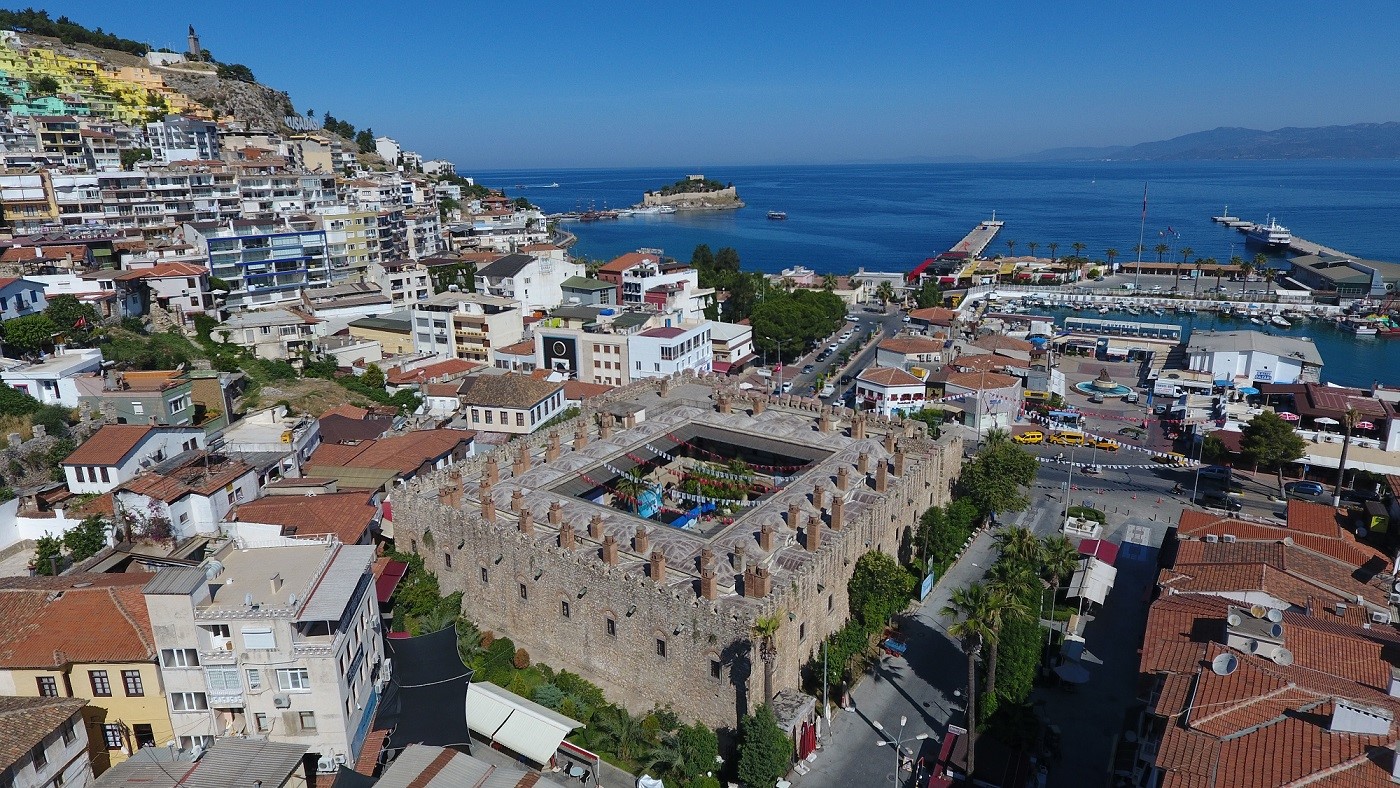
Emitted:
pixel 101 687
pixel 179 658
pixel 41 758
pixel 610 625
pixel 524 591
pixel 661 647
pixel 224 680
pixel 505 418
pixel 476 416
pixel 70 733
pixel 485 575
pixel 189 701
pixel 260 722
pixel 802 631
pixel 519 419
pixel 105 477
pixel 254 679
pixel 293 679
pixel 145 735
pixel 131 682
pixel 447 560
pixel 564 608
pixel 112 736
pixel 488 417
pixel 190 742
pixel 259 639
pixel 48 686
pixel 830 602
pixel 308 720
pixel 716 669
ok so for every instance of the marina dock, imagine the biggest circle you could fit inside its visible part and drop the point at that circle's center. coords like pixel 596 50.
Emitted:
pixel 1296 245
pixel 974 243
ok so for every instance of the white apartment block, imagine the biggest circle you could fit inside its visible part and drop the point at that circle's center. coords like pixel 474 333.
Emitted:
pixel 533 281
pixel 178 138
pixel 405 282
pixel 265 262
pixel 665 351
pixel 388 149
pixel 279 641
pixel 466 325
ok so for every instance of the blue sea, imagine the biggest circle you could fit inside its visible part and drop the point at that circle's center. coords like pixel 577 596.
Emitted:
pixel 889 217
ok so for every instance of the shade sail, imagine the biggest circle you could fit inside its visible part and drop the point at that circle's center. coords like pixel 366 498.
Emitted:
pixel 1093 580
pixel 518 724
pixel 1073 672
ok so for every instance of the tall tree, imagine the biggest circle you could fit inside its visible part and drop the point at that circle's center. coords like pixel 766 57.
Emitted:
pixel 1052 246
pixel 1186 253
pixel 1011 247
pixel 765 630
pixel 1019 545
pixel 829 282
pixel 974 624
pixel 1032 245
pixel 1078 248
pixel 994 479
pixel 1269 275
pixel 1270 441
pixel 1349 421
pixel 1110 254
pixel 1161 250
pixel 1009 583
pixel 1059 559
pixel 1208 262
pixel 885 292
pixel 765 751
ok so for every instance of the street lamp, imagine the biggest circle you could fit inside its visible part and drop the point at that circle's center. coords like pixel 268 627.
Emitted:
pixel 897 741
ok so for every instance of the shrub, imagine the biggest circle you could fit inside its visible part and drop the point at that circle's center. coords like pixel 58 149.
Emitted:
pixel 521 660
pixel 548 695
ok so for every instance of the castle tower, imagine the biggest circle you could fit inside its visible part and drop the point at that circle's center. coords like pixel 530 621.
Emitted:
pixel 196 53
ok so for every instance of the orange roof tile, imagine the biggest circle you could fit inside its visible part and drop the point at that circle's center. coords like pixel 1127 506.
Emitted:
pixel 432 373
pixel 348 515
pixel 578 390
pixel 981 381
pixel 348 411
pixel 109 445
pixel 911 345
pixel 621 263
pixel 48 629
pixel 888 376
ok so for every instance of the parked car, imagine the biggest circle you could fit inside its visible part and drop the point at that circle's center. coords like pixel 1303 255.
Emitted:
pixel 1067 439
pixel 1160 410
pixel 1096 398
pixel 1106 444
pixel 846 379
pixel 1029 436
pixel 1219 500
pixel 1360 496
pixel 1307 491
pixel 808 369
pixel 1215 472
pixel 787 386
pixel 1131 397
pixel 1170 458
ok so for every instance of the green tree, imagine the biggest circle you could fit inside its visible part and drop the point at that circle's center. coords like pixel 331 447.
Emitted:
pixel 1214 450
pixel 1271 442
pixel 928 295
pixel 43 86
pixel 829 282
pixel 132 155
pixel 884 292
pixel 765 631
pixel 1205 263
pixel 72 316
pixel 1161 250
pixel 48 555
pixel 629 487
pixel 879 587
pixel 974 624
pixel 621 730
pixel 1078 248
pixel 702 259
pixel 1350 419
pixel 765 751
pixel 1053 247
pixel 994 479
pixel 1020 546
pixel 1109 254
pixel 365 140
pixel 373 377
pixel 1186 253
pixel 1008 584
pixel 700 746
pixel 87 538
pixel 1011 248
pixel 1059 559
pixel 1032 246
pixel 1269 275
pixel 30 332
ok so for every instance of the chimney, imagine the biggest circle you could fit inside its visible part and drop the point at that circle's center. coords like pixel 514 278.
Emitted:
pixel 814 534
pixel 757 582
pixel 707 557
pixel 825 423
pixel 889 442
pixel 818 496
pixel 843 479
pixel 665 388
pixel 792 514
pixel 566 536
pixel 641 542
pixel 276 582
pixel 658 567
pixel 709 588
pixel 595 526
pixel 488 504
pixel 604 426
pixel 551 453
pixel 449 496
pixel 760 403
pixel 899 463
pixel 517 501
pixel 522 459
pixel 765 538
pixel 838 512
pixel 610 550
pixel 722 403
pixel 556 513
pixel 741 558
pixel 858 427
pixel 493 469
pixel 863 464
pixel 580 437
pixel 882 477
pixel 527 522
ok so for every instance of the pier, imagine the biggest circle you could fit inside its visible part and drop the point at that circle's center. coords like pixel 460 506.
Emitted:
pixel 1296 245
pixel 974 243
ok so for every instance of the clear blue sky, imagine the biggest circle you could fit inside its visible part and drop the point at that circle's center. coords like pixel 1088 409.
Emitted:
pixel 580 84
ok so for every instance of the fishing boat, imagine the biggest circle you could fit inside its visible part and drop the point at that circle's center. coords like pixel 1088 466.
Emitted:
pixel 1256 321
pixel 1157 310
pixel 1132 310
pixel 779 215
pixel 1280 321
pixel 1103 310
pixel 1361 328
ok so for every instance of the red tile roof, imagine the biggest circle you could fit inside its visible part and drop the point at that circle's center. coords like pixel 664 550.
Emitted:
pixel 888 376
pixel 348 411
pixel 26 722
pixel 54 626
pixel 348 515
pixel 401 453
pixel 911 345
pixel 1002 342
pixel 578 390
pixel 621 263
pixel 936 315
pixel 665 332
pixel 432 373
pixel 981 381
pixel 109 445
pixel 194 476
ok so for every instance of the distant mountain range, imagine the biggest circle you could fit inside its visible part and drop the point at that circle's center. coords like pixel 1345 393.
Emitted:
pixel 1357 141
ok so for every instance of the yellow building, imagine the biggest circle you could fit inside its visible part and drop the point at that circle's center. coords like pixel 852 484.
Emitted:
pixel 88 636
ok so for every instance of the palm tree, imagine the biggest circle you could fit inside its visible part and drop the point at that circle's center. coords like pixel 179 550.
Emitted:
pixel 829 282
pixel 1052 246
pixel 1019 545
pixel 1138 249
pixel 1243 265
pixel 629 486
pixel 1269 274
pixel 885 292
pixel 996 435
pixel 1032 245
pixel 765 629
pixel 1186 253
pixel 1110 254
pixel 668 756
pixel 468 641
pixel 622 730
pixel 974 613
pixel 1261 263
pixel 1009 582
pixel 1161 250
pixel 1208 262
pixel 1349 422
pixel 1059 559
pixel 1078 248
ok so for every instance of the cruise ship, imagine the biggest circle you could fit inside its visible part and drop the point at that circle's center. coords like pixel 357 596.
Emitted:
pixel 1270 234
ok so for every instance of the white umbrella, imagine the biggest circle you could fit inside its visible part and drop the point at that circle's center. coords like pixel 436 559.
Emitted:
pixel 1325 420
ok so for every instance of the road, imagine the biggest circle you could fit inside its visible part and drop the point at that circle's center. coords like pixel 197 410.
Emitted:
pixel 886 323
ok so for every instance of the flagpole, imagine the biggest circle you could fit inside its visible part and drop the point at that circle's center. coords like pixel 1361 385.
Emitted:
pixel 1142 229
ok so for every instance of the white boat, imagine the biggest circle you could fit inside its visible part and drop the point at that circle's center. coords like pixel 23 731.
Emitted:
pixel 1360 328
pixel 1132 310
pixel 1103 310
pixel 666 209
pixel 1270 234
pixel 1256 321
pixel 1279 321
pixel 1157 310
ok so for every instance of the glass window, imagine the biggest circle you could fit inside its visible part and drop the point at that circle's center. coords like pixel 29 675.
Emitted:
pixel 254 679
pixel 519 419
pixel 716 669
pixel 41 758
pixel 524 591
pixel 308 720
pixel 145 735
pixel 70 733
pixel 293 679
pixel 131 682
pixel 112 736
pixel 101 687
pixel 48 686
pixel 179 658
pixel 564 608
pixel 611 626
pixel 189 701
pixel 661 647
pixel 485 575
pixel 224 680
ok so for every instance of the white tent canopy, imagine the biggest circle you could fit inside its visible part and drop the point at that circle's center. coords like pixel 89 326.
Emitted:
pixel 1092 580
pixel 518 724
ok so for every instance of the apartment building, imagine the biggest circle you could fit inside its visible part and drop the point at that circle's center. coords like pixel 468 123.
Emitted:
pixel 117 452
pixel 535 281
pixel 43 743
pixel 647 279
pixel 79 198
pixel 352 240
pixel 55 380
pixel 466 325
pixel 510 402
pixel 265 262
pixel 405 282
pixel 27 201
pixel 191 493
pixel 279 642
pixel 61 136
pixel 181 138
pixel 668 350
pixel 278 334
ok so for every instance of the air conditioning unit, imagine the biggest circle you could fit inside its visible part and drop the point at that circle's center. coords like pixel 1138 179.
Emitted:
pixel 1228 538
pixel 1380 616
pixel 1212 538
pixel 379 683
pixel 325 765
pixel 282 701
pixel 340 758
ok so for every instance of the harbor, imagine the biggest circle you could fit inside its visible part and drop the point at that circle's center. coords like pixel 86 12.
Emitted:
pixel 976 242
pixel 1293 243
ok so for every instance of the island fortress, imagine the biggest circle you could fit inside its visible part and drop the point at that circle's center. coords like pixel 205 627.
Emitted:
pixel 548 547
pixel 694 193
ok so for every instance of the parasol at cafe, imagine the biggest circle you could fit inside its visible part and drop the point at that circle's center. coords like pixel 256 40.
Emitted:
pixel 1286 416
pixel 1365 425
pixel 1326 420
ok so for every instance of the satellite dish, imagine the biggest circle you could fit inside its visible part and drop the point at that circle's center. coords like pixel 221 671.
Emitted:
pixel 1288 540
pixel 1276 629
pixel 1224 664
pixel 1275 615
pixel 1397 585
pixel 1254 646
pixel 1283 657
pixel 291 600
pixel 1361 532
pixel 248 599
pixel 1234 619
pixel 1258 611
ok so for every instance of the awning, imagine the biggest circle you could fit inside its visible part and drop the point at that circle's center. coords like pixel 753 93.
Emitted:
pixel 1098 548
pixel 1093 580
pixel 388 580
pixel 1073 672
pixel 523 726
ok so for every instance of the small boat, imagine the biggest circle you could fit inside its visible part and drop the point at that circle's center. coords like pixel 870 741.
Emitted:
pixel 1360 328
pixel 1270 234
pixel 1132 310
pixel 666 209
pixel 1157 310
pixel 1103 310
pixel 1256 321
pixel 777 214
pixel 1279 321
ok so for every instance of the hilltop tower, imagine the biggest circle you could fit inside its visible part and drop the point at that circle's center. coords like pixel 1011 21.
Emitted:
pixel 196 54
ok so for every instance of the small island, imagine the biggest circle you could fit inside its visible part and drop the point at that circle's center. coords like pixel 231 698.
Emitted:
pixel 694 193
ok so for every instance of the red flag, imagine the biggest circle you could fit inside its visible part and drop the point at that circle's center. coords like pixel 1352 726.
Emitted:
pixel 82 321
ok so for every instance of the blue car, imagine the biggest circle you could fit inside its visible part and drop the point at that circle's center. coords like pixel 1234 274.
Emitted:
pixel 1304 490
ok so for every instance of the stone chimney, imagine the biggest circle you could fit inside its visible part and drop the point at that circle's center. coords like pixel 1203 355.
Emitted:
pixel 665 388
pixel 709 587
pixel 794 511
pixel 843 479
pixel 838 512
pixel 899 463
pixel 566 536
pixel 493 469
pixel 741 558
pixel 556 513
pixel 825 423
pixel 517 501
pixel 722 403
pixel 658 566
pixel 595 527
pixel 863 464
pixel 858 427
pixel 580 436
pixel 813 538
pixel 449 496
pixel 760 404
pixel 551 453
pixel 488 504
pixel 757 582
pixel 527 521
pixel 818 496
pixel 642 541
pixel 889 442
pixel 765 538
pixel 605 421
pixel 522 459
pixel 707 558
pixel 882 478
pixel 610 550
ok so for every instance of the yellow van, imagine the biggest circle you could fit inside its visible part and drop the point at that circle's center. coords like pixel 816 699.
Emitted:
pixel 1106 444
pixel 1036 396
pixel 1067 439
pixel 1029 436
pixel 1170 458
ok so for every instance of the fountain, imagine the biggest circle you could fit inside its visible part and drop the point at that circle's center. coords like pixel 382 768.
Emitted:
pixel 1102 384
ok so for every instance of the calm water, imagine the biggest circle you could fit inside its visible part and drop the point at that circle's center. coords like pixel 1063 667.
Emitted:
pixel 890 217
